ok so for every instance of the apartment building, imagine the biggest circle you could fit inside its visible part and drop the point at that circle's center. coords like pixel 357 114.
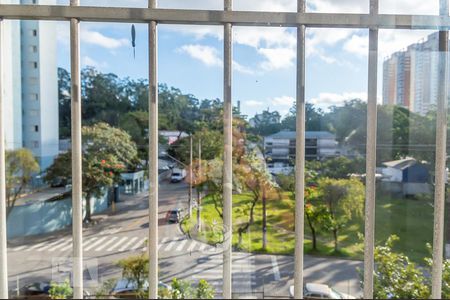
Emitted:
pixel 410 76
pixel 31 86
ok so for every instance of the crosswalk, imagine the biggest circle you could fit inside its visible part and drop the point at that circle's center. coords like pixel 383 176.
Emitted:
pixel 210 269
pixel 102 243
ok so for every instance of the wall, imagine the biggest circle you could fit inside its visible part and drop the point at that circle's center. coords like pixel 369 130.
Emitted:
pixel 46 217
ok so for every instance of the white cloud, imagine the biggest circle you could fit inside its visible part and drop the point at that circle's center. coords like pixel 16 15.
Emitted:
pixel 277 58
pixel 252 103
pixel 357 44
pixel 325 100
pixel 89 61
pixel 210 56
pixel 206 54
pixel 99 39
pixel 283 101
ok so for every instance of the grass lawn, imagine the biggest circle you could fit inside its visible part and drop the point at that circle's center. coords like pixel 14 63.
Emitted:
pixel 411 220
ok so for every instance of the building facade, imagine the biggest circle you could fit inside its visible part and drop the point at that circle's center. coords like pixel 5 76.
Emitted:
pixel 31 86
pixel 410 76
pixel 279 148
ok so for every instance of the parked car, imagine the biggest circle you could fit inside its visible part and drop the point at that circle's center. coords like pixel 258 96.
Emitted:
pixel 174 215
pixel 319 291
pixel 38 290
pixel 177 175
pixel 127 289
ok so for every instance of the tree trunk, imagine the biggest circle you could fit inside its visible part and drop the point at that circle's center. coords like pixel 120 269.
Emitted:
pixel 335 235
pixel 88 217
pixel 264 225
pixel 199 219
pixel 313 232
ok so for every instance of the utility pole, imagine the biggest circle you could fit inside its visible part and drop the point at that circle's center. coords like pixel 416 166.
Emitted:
pixel 190 180
pixel 199 193
pixel 264 201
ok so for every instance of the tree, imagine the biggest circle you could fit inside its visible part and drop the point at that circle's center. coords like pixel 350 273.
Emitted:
pixel 344 199
pixel 257 180
pixel 20 167
pixel 64 88
pixel 316 213
pixel 396 277
pixel 136 125
pixel 135 269
pixel 60 291
pixel 107 152
pixel 337 167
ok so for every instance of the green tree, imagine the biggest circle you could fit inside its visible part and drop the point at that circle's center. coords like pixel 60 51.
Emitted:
pixel 344 199
pixel 60 291
pixel 396 277
pixel 135 269
pixel 64 88
pixel 20 167
pixel 204 290
pixel 136 125
pixel 338 167
pixel 107 152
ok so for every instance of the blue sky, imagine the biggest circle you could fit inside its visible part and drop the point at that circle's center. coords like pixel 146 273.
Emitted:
pixel 190 57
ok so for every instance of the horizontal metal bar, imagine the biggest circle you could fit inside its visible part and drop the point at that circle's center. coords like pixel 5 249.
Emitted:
pixel 215 17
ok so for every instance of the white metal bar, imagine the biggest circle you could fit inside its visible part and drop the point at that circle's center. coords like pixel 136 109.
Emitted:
pixel 153 157
pixel 441 158
pixel 77 185
pixel 228 155
pixel 3 237
pixel 215 17
pixel 300 158
pixel 371 152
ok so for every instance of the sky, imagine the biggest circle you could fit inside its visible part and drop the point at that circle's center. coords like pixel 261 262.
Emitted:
pixel 264 61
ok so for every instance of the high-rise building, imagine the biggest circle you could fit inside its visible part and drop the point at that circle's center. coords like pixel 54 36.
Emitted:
pixel 30 88
pixel 410 76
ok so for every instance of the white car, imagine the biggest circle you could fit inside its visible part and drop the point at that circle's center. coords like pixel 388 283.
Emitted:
pixel 319 291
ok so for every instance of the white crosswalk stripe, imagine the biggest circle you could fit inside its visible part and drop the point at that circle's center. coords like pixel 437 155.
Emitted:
pixel 92 245
pixel 106 244
pixel 122 240
pixel 139 244
pixel 125 246
pixel 110 243
pixel 62 244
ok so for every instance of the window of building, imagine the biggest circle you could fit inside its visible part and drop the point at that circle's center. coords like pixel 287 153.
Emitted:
pixel 33 112
pixel 34 97
pixel 33 49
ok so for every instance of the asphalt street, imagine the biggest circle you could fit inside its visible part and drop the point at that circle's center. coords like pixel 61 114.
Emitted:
pixel 118 235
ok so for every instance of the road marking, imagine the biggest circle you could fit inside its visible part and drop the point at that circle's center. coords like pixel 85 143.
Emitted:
pixel 139 243
pixel 62 244
pixel 192 245
pixel 202 247
pixel 117 244
pixel 95 244
pixel 107 243
pixel 49 245
pixel 170 245
pixel 38 245
pixel 164 240
pixel 20 248
pixel 68 246
pixel 127 244
pixel 275 269
pixel 180 247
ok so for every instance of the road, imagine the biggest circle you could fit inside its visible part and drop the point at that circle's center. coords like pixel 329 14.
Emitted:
pixel 119 235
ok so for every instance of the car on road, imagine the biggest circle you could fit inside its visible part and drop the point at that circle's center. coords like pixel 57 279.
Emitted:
pixel 174 215
pixel 127 289
pixel 38 290
pixel 177 175
pixel 319 291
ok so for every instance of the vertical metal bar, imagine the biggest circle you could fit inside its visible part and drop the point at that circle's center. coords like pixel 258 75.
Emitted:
pixel 228 154
pixel 300 158
pixel 371 152
pixel 77 192
pixel 3 237
pixel 153 157
pixel 441 156
pixel 190 177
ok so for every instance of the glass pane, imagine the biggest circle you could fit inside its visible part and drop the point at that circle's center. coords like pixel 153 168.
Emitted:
pixel 409 7
pixel 39 201
pixel 330 6
pixel 405 160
